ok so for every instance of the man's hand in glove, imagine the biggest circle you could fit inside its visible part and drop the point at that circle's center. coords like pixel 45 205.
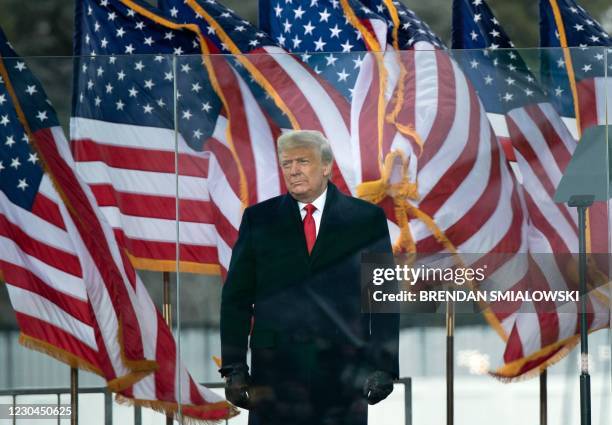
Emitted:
pixel 237 384
pixel 377 386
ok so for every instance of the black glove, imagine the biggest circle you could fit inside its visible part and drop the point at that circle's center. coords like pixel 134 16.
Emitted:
pixel 237 384
pixel 377 386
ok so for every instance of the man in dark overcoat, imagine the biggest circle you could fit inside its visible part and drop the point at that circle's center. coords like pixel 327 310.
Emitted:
pixel 293 286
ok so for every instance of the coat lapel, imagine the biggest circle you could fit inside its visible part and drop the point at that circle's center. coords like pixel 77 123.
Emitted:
pixel 329 221
pixel 296 233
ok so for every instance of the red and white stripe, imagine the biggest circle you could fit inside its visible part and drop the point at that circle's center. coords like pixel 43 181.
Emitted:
pixel 131 171
pixel 594 101
pixel 543 147
pixel 44 278
pixel 252 134
pixel 56 286
pixel 171 382
pixel 594 96
pixel 541 332
pixel 464 183
pixel 314 104
pixel 99 252
pixel 367 154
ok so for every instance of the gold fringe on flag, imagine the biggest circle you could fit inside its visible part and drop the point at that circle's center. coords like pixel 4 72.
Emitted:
pixel 399 96
pixel 57 353
pixel 171 409
pixel 171 266
pixel 117 384
pixel 145 366
pixel 508 372
pixel 376 49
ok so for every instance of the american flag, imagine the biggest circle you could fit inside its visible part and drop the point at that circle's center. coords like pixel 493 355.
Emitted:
pixel 519 112
pixel 543 147
pixel 406 32
pixel 124 138
pixel 445 184
pixel 324 37
pixel 331 37
pixel 404 25
pixel 575 78
pixel 75 293
pixel 458 141
pixel 50 260
pixel 578 82
pixel 291 92
pixel 441 107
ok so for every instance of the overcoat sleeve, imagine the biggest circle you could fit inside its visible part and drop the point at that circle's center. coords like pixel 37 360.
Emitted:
pixel 384 327
pixel 237 297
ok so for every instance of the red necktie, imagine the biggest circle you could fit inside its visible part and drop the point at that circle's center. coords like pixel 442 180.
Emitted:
pixel 310 230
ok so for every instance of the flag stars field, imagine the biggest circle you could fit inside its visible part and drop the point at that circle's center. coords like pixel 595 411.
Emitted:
pixel 22 184
pixel 308 28
pixel 583 32
pixel 346 47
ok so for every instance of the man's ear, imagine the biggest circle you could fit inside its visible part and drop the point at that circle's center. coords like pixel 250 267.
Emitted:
pixel 327 169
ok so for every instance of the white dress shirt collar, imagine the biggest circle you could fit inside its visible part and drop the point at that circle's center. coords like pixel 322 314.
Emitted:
pixel 319 203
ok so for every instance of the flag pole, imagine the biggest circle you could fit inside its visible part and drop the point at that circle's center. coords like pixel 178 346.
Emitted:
pixel 167 306
pixel 544 397
pixel 74 396
pixel 167 313
pixel 582 203
pixel 450 371
pixel 585 379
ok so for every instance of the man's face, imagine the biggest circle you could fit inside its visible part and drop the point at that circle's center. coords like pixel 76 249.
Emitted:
pixel 304 173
